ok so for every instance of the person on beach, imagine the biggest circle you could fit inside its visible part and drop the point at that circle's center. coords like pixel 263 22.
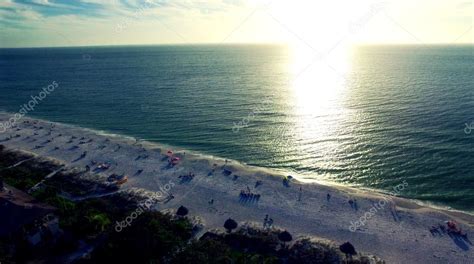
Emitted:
pixel 270 223
pixel 257 197
pixel 351 203
pixel 434 231
pixel 393 210
pixel 286 181
pixel 169 198
pixel 299 195
pixel 328 197
pixel 442 228
pixel 265 221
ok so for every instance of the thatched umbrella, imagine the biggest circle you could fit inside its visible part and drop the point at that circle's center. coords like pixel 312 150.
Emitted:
pixel 348 249
pixel 182 211
pixel 285 236
pixel 230 224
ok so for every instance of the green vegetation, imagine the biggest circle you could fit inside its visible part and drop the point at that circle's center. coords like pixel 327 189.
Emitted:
pixel 85 218
pixel 149 239
pixel 27 174
pixel 152 237
pixel 215 251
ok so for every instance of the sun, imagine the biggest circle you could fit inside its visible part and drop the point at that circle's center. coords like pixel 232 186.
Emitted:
pixel 319 24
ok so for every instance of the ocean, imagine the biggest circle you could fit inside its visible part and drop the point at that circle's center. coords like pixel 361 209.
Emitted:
pixel 375 118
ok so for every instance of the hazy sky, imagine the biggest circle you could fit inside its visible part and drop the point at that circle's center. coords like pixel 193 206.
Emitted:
pixel 117 22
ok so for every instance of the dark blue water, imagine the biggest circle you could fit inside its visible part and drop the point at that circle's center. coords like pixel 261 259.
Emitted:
pixel 399 115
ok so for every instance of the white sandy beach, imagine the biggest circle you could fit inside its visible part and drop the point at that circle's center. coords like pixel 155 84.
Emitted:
pixel 398 235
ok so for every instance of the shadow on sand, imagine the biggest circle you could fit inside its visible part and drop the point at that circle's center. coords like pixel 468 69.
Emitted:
pixel 462 242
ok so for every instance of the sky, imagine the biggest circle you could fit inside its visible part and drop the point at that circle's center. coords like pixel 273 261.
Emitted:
pixel 48 23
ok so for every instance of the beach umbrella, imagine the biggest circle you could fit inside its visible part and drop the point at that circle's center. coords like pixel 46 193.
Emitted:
pixel 175 160
pixel 348 249
pixel 182 211
pixel 230 224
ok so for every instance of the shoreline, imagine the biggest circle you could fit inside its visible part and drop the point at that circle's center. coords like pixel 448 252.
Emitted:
pixel 270 171
pixel 305 212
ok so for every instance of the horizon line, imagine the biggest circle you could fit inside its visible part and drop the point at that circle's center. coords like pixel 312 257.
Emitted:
pixel 235 44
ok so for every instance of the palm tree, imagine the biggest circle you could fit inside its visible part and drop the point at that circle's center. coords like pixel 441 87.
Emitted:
pixel 100 221
pixel 230 224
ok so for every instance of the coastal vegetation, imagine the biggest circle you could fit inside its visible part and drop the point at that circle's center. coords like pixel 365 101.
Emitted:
pixel 154 237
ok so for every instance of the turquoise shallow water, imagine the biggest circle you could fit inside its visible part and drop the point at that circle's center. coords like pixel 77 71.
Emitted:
pixel 398 113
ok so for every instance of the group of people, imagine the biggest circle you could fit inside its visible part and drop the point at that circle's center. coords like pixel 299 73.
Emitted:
pixel 248 197
pixel 187 178
pixel 76 141
pixel 451 229
pixel 438 230
pixel 353 204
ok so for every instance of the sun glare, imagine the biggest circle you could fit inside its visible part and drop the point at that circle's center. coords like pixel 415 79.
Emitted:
pixel 318 89
pixel 319 67
pixel 320 45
